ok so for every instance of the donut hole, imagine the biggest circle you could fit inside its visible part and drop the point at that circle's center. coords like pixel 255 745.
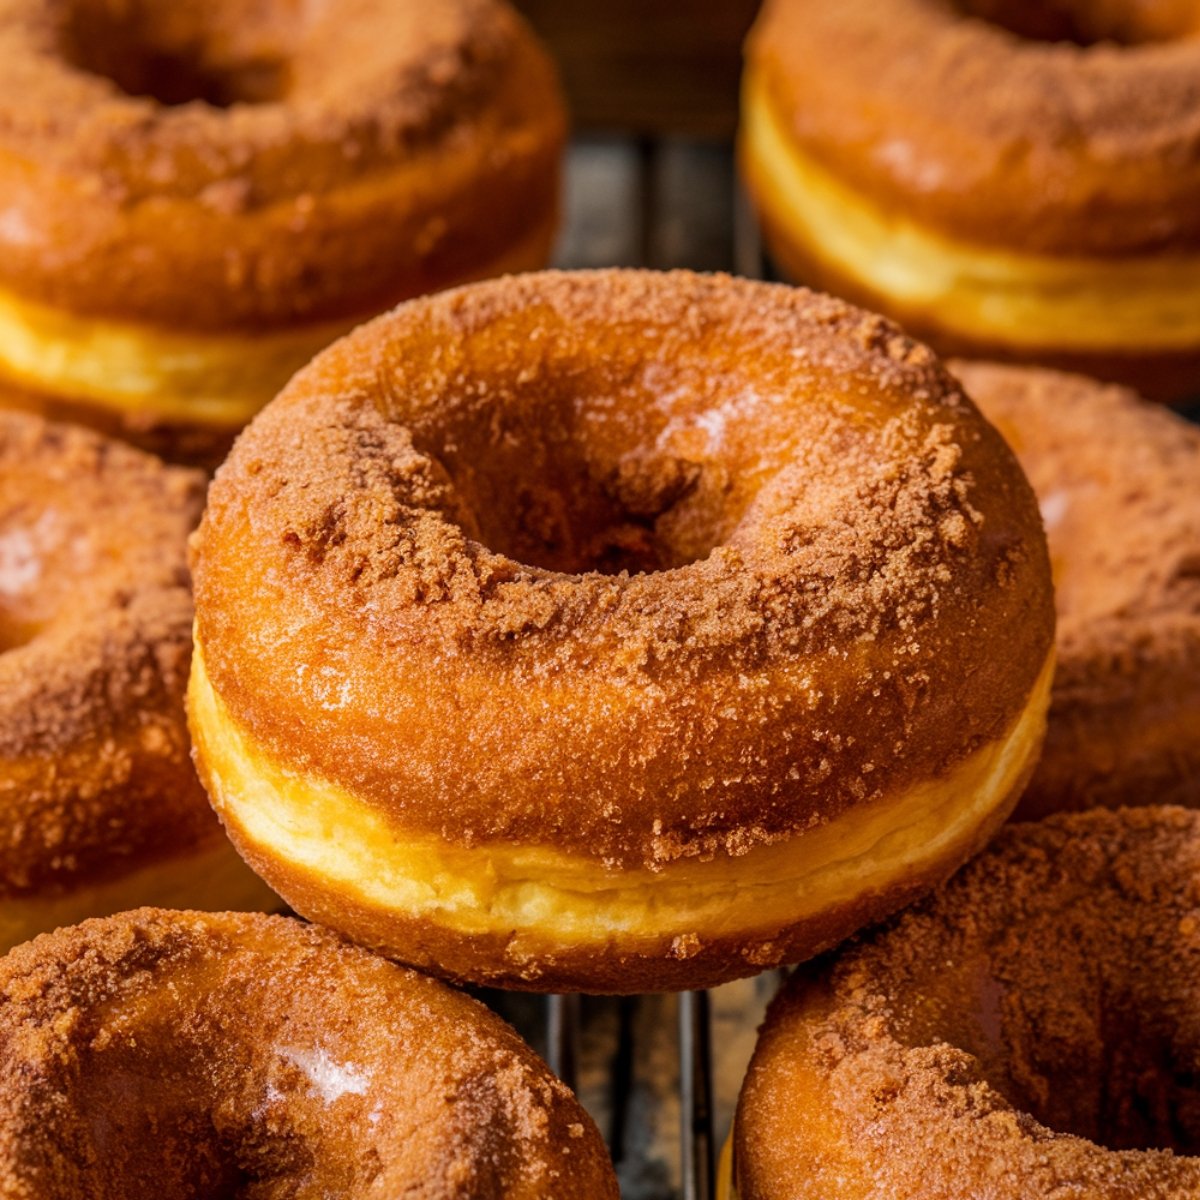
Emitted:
pixel 1085 22
pixel 640 464
pixel 1102 1065
pixel 1091 1026
pixel 557 508
pixel 564 487
pixel 219 54
pixel 159 1124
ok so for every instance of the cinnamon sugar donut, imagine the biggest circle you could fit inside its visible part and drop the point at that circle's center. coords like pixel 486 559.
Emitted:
pixel 1119 484
pixel 617 631
pixel 1031 1030
pixel 1006 178
pixel 185 1055
pixel 100 808
pixel 201 195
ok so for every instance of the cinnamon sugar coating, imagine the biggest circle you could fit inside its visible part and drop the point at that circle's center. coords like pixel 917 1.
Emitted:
pixel 99 804
pixel 208 165
pixel 1119 485
pixel 187 1055
pixel 1061 129
pixel 642 567
pixel 95 622
pixel 1033 1029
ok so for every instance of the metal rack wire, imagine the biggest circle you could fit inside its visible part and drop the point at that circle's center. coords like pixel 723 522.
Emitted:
pixel 697 1137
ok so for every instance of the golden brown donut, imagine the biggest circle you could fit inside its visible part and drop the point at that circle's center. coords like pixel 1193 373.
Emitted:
pixel 1032 1030
pixel 175 1054
pixel 100 808
pixel 1119 484
pixel 201 195
pixel 1008 178
pixel 617 631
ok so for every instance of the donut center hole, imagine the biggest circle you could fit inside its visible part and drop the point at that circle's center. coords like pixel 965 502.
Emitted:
pixel 1085 22
pixel 1113 1073
pixel 173 54
pixel 1076 1024
pixel 563 515
pixel 578 475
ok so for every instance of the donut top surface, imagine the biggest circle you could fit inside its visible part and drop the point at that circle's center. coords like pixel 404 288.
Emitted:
pixel 152 99
pixel 165 1054
pixel 1032 1029
pixel 565 556
pixel 1119 486
pixel 1069 128
pixel 131 117
pixel 95 620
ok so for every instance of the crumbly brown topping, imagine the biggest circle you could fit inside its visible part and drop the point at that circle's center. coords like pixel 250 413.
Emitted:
pixel 1118 481
pixel 1032 1029
pixel 357 83
pixel 95 621
pixel 957 123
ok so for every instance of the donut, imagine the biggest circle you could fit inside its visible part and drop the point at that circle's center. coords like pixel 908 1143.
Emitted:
pixel 201 195
pixel 161 1053
pixel 1031 1030
pixel 1007 179
pixel 100 808
pixel 617 631
pixel 1119 485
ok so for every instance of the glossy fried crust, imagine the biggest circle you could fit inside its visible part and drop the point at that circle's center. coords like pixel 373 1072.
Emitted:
pixel 345 155
pixel 651 571
pixel 1119 485
pixel 981 1044
pixel 1013 130
pixel 179 1054
pixel 95 619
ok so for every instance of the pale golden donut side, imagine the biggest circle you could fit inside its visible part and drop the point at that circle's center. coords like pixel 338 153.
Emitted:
pixel 999 195
pixel 536 917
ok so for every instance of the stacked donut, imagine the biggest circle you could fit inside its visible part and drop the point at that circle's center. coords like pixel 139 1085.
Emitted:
pixel 201 195
pixel 601 631
pixel 1030 1031
pixel 1005 177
